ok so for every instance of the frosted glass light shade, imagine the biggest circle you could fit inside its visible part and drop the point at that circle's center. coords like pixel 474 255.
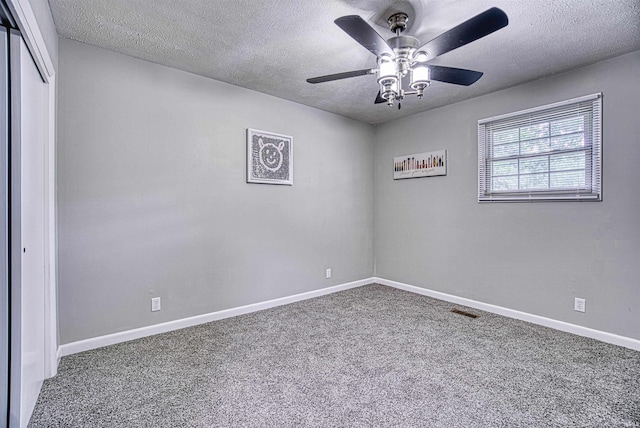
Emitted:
pixel 387 71
pixel 420 75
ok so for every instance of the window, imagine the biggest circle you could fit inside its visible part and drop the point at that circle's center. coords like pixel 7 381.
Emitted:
pixel 546 153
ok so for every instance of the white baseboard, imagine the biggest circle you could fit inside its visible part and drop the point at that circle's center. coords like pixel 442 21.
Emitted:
pixel 111 339
pixel 124 336
pixel 614 339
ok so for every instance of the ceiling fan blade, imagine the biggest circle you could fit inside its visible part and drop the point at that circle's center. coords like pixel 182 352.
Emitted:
pixel 379 99
pixel 457 76
pixel 338 76
pixel 473 29
pixel 362 33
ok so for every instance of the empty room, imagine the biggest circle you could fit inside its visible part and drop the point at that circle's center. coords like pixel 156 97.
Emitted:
pixel 342 213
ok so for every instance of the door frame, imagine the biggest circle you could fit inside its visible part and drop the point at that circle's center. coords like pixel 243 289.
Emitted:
pixel 4 238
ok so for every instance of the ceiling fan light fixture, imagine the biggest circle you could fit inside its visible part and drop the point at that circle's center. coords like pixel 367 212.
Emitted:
pixel 390 91
pixel 388 80
pixel 387 71
pixel 385 57
pixel 420 56
pixel 420 78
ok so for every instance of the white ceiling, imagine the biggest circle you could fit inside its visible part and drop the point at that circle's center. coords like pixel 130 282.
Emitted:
pixel 273 46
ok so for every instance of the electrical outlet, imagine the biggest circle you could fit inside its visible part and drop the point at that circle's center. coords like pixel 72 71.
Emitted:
pixel 328 273
pixel 579 305
pixel 156 304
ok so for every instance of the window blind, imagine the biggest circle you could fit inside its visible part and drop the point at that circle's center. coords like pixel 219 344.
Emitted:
pixel 551 152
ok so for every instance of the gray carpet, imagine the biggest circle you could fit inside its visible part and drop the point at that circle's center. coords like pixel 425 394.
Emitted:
pixel 368 357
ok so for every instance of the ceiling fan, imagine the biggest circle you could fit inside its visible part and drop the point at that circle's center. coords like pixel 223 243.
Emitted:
pixel 402 55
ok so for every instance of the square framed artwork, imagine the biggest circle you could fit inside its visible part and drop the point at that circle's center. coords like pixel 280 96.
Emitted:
pixel 269 157
pixel 427 164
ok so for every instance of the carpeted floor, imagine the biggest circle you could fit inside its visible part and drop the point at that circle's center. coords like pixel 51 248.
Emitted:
pixel 367 357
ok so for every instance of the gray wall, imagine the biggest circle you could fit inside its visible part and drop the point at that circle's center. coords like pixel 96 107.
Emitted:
pixel 153 200
pixel 532 257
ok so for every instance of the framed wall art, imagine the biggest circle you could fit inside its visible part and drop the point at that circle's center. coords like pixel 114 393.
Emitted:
pixel 269 158
pixel 427 164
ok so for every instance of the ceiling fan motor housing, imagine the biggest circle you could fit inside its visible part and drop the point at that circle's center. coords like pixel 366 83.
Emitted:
pixel 403 47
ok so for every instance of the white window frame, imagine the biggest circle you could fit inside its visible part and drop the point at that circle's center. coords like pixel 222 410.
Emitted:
pixel 590 105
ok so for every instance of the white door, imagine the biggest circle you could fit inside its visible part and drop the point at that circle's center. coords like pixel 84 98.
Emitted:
pixel 29 121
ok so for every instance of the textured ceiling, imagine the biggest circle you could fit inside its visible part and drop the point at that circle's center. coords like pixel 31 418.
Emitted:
pixel 272 46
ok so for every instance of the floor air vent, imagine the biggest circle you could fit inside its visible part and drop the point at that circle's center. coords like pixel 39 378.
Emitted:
pixel 466 314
